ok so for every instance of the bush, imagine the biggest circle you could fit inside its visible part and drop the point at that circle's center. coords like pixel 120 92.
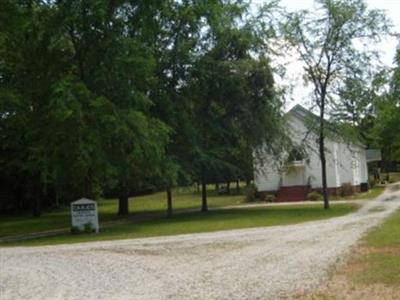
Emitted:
pixel 88 228
pixel 371 183
pixel 314 196
pixel 346 189
pixel 270 198
pixel 75 230
pixel 251 193
pixel 262 196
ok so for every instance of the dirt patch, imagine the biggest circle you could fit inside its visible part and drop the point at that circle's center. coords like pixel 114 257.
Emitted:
pixel 380 250
pixel 340 287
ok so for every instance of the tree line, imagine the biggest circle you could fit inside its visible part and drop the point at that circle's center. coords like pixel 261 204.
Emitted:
pixel 116 97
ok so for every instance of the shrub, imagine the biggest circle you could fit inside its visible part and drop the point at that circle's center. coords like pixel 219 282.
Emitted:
pixel 270 198
pixel 371 183
pixel 75 230
pixel 346 189
pixel 314 196
pixel 88 228
pixel 251 193
pixel 262 196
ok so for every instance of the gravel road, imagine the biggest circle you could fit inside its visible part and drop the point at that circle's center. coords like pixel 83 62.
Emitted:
pixel 259 263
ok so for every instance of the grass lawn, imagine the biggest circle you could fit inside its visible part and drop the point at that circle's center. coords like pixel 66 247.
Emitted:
pixel 380 259
pixel 154 203
pixel 202 222
pixel 371 194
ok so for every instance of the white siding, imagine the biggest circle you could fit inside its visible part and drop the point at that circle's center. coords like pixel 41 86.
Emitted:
pixel 266 178
pixel 364 166
pixel 345 164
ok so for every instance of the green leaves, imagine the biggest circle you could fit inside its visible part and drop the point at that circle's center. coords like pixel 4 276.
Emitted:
pixel 386 127
pixel 115 96
pixel 334 43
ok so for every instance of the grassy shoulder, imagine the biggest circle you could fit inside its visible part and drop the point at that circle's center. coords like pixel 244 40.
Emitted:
pixel 202 222
pixel 140 205
pixel 380 254
pixel 371 194
pixel 373 270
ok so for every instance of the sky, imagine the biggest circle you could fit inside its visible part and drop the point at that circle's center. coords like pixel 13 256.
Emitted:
pixel 300 94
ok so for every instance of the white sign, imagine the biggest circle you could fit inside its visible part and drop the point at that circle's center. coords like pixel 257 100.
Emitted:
pixel 84 212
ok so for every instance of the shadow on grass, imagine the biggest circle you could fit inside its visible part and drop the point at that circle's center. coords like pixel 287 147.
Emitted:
pixel 194 222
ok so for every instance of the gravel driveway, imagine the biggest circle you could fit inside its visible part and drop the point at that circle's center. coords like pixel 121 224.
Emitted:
pixel 259 263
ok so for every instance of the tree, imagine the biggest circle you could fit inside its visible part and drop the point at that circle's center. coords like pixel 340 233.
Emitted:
pixel 119 65
pixel 178 30
pixel 235 104
pixel 387 124
pixel 113 95
pixel 328 43
pixel 75 85
pixel 35 57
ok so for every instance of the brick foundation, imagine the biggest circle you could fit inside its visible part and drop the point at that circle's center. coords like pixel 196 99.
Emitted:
pixel 332 191
pixel 337 191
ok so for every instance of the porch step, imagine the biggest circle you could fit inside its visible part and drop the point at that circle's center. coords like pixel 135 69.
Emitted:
pixel 292 193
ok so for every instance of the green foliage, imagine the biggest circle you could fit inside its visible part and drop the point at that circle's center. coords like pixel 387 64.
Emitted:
pixel 371 183
pixel 326 42
pixel 75 230
pixel 387 124
pixel 88 228
pixel 270 198
pixel 79 117
pixel 102 97
pixel 314 196
pixel 236 110
pixel 251 193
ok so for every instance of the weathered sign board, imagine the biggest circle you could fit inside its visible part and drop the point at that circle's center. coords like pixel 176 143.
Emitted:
pixel 84 212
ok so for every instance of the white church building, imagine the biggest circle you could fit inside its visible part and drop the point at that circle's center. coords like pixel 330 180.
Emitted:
pixel 299 170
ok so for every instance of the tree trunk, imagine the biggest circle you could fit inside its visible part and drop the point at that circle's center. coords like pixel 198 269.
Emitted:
pixel 323 170
pixel 36 205
pixel 123 202
pixel 217 187
pixel 237 186
pixel 88 188
pixel 36 212
pixel 57 200
pixel 322 157
pixel 169 202
pixel 204 205
pixel 247 181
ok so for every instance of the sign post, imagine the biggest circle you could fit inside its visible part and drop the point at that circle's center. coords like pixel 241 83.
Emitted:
pixel 84 215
